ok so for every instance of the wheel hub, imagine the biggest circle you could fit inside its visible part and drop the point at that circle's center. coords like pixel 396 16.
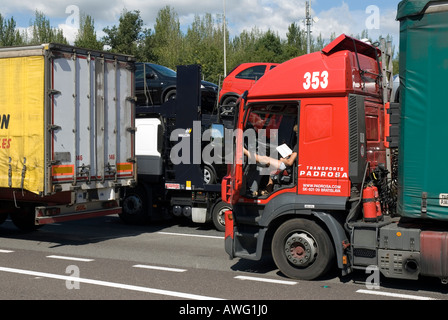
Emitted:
pixel 221 216
pixel 132 205
pixel 207 176
pixel 300 249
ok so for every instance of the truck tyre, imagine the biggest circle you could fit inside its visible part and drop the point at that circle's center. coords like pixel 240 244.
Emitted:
pixel 5 208
pixel 218 217
pixel 135 206
pixel 24 218
pixel 301 249
pixel 3 216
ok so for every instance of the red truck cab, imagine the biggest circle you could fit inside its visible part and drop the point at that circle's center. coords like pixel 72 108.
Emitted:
pixel 335 98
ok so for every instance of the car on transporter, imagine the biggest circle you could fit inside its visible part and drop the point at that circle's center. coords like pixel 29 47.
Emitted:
pixel 240 79
pixel 156 84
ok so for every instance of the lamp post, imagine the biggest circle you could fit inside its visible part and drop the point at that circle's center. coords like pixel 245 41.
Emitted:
pixel 308 26
pixel 224 32
pixel 309 21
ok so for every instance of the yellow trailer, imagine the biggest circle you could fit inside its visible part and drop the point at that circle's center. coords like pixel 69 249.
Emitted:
pixel 66 133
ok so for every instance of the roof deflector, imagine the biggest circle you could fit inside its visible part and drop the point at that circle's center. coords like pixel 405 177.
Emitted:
pixel 344 42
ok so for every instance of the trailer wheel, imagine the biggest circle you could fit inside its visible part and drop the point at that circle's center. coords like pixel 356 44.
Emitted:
pixel 135 206
pixel 3 216
pixel 302 249
pixel 218 217
pixel 24 218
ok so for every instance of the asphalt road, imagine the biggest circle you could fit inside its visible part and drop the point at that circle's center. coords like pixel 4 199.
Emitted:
pixel 104 259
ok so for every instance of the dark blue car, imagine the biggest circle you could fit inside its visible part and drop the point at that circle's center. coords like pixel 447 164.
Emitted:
pixel 160 85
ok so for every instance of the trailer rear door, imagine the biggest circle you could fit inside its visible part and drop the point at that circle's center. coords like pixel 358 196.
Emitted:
pixel 91 120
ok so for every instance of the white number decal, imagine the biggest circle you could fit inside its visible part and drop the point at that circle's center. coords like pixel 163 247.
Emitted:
pixel 316 80
pixel 315 83
pixel 324 82
pixel 307 83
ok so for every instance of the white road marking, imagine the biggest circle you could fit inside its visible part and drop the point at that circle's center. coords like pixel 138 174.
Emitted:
pixel 394 295
pixel 158 268
pixel 110 284
pixel 290 283
pixel 70 258
pixel 6 251
pixel 190 235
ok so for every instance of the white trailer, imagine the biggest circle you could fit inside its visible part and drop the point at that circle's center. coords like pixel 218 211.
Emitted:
pixel 69 134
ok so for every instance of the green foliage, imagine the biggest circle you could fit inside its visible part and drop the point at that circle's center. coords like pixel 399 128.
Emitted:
pixel 126 37
pixel 203 44
pixel 86 37
pixel 168 38
pixel 9 36
pixel 145 51
pixel 295 42
pixel 166 44
pixel 269 47
pixel 42 32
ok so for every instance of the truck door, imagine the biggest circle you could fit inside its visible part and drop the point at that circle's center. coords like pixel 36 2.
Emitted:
pixel 236 174
pixel 264 127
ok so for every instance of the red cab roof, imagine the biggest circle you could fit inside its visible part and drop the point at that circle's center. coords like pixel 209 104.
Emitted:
pixel 333 71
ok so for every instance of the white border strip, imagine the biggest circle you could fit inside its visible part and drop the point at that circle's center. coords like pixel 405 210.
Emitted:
pixel 110 284
pixel 70 258
pixel 190 235
pixel 158 268
pixel 395 295
pixel 290 283
pixel 6 251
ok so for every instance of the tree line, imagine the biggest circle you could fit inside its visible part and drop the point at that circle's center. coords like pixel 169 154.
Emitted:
pixel 166 44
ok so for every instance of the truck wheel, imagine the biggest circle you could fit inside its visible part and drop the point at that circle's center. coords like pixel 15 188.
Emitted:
pixel 135 206
pixel 4 212
pixel 3 216
pixel 302 249
pixel 23 218
pixel 218 217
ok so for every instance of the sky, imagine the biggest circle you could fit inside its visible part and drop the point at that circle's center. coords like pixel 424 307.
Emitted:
pixel 338 16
